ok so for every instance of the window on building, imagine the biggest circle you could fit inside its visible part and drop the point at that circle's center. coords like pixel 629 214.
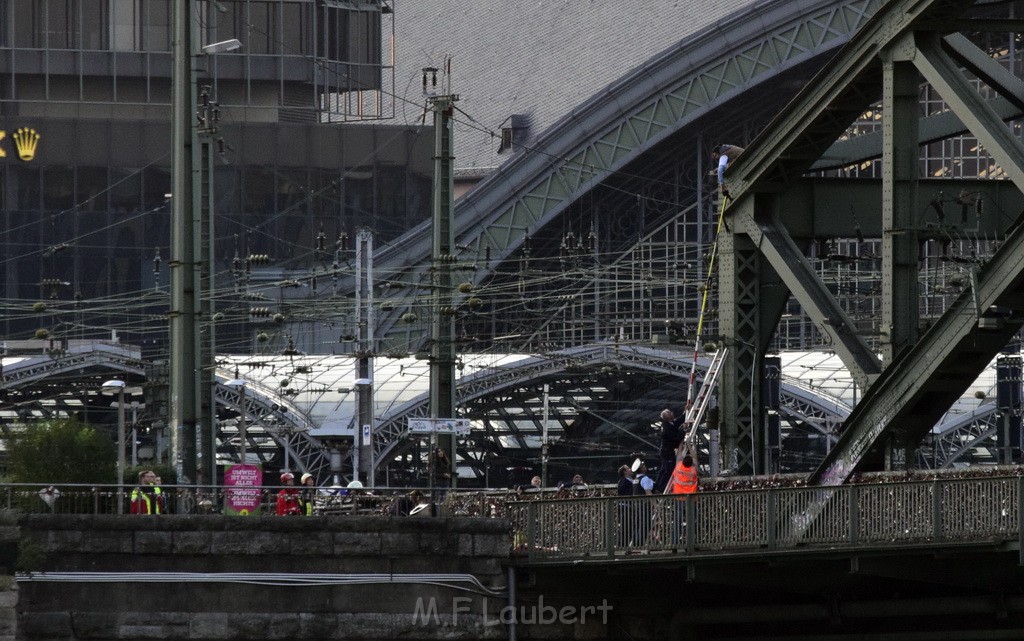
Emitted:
pixel 156 184
pixel 95 19
pixel 58 188
pixel 58 22
pixel 25 184
pixel 91 189
pixel 124 16
pixel 55 24
pixel 125 190
pixel 358 195
pixel 350 31
pixel 506 139
pixel 154 25
pixel 264 27
pixel 514 132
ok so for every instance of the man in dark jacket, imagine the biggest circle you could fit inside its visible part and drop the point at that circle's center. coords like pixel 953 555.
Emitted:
pixel 671 435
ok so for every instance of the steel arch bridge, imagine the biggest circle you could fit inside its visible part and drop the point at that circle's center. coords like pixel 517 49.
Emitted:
pixel 634 126
pixel 585 175
pixel 638 125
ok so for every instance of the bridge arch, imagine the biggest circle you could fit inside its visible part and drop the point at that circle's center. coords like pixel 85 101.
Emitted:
pixel 606 362
pixel 274 420
pixel 673 100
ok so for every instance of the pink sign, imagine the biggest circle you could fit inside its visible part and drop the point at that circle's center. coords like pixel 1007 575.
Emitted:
pixel 242 489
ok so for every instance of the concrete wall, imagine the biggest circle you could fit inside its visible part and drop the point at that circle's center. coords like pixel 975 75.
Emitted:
pixel 323 578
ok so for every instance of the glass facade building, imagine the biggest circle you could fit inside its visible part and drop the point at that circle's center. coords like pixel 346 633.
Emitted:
pixel 85 228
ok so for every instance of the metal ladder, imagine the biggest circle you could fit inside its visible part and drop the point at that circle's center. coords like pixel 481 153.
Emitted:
pixel 695 413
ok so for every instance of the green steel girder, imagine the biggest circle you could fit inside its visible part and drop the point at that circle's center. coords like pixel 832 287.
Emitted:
pixel 986 125
pixel 1008 105
pixel 823 111
pixel 921 385
pixel 851 208
pixel 739 299
pixel 801 135
pixel 915 390
pixel 793 268
pixel 615 128
pixel 900 158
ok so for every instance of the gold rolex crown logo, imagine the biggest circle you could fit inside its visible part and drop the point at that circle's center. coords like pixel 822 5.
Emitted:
pixel 26 140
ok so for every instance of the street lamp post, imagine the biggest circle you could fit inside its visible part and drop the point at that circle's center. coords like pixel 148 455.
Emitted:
pixel 117 387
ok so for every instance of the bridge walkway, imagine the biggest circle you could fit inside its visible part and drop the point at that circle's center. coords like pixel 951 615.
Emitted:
pixel 936 514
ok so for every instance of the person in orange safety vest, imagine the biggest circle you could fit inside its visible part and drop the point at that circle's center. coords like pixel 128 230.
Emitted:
pixel 684 477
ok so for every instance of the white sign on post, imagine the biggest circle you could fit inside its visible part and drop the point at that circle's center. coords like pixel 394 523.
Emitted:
pixel 439 426
pixel 421 425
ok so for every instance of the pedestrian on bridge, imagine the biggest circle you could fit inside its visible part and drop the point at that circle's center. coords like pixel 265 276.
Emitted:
pixel 671 437
pixel 643 485
pixel 147 497
pixel 684 477
pixel 308 495
pixel 288 497
pixel 684 484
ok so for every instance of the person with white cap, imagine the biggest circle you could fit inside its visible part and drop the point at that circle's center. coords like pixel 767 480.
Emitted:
pixel 306 498
pixel 288 497
pixel 643 485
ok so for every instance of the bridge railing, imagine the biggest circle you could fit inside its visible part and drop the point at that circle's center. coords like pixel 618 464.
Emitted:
pixel 71 498
pixel 862 515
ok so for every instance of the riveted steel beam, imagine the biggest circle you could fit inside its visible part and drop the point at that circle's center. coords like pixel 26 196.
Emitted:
pixel 782 253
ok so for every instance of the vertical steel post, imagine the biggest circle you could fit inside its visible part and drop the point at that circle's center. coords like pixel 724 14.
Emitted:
pixel 442 343
pixel 242 435
pixel 367 347
pixel 544 446
pixel 207 416
pixel 184 230
pixel 120 450
pixel 900 159
pixel 1020 520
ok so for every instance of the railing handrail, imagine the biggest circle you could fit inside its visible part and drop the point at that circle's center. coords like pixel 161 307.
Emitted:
pixel 913 512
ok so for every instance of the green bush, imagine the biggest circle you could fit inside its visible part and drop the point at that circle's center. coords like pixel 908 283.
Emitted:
pixel 62 451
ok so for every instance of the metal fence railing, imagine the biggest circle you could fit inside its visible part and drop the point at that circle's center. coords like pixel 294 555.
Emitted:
pixel 859 515
pixel 27 498
pixel 549 525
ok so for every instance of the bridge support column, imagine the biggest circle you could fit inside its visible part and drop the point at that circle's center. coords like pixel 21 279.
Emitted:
pixel 751 299
pixel 900 316
pixel 739 320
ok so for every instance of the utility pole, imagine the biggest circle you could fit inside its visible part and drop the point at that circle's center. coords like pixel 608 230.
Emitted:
pixel 442 335
pixel 185 234
pixel 363 456
pixel 209 115
pixel 544 444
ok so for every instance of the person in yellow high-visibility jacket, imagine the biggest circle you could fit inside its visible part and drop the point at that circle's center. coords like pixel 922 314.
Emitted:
pixel 148 497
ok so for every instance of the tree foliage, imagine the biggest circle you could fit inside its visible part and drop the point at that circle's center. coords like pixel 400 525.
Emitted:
pixel 62 451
